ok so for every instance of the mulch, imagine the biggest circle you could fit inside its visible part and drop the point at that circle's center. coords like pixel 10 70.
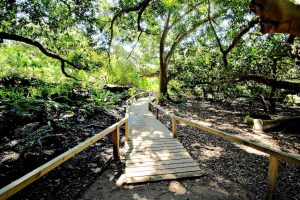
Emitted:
pixel 228 165
pixel 72 178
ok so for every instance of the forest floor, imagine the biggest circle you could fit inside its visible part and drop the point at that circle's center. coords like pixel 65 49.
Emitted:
pixel 71 178
pixel 228 164
pixel 230 171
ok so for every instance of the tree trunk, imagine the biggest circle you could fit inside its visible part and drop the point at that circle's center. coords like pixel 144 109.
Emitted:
pixel 272 98
pixel 163 82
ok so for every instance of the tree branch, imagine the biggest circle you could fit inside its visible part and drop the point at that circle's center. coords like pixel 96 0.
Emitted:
pixel 140 34
pixel 144 6
pixel 237 38
pixel 140 7
pixel 213 29
pixel 14 37
pixel 269 82
pixel 181 37
pixel 192 8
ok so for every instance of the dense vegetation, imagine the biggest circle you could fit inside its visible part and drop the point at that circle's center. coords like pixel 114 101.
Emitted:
pixel 57 56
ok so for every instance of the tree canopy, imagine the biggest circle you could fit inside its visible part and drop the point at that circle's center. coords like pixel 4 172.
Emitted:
pixel 192 46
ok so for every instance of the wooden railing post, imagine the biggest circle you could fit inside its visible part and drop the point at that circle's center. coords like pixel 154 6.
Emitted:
pixel 272 176
pixel 126 130
pixel 116 143
pixel 174 123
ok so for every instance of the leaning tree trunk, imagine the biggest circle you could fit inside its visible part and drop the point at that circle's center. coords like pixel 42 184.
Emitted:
pixel 287 124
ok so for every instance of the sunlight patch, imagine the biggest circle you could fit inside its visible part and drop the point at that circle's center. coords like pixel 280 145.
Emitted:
pixel 11 155
pixel 177 188
pixel 210 152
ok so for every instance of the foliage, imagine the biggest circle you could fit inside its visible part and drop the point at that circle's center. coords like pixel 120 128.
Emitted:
pixel 173 36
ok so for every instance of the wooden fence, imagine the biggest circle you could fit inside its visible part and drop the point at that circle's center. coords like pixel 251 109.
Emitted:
pixel 274 158
pixel 32 176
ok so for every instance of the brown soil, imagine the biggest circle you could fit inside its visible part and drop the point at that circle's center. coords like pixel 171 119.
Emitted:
pixel 106 189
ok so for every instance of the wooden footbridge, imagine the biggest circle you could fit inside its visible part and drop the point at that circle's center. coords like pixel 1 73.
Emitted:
pixel 152 152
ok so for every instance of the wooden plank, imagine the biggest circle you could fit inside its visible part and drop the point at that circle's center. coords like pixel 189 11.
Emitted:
pixel 156 152
pixel 153 150
pixel 162 171
pixel 153 146
pixel 272 176
pixel 122 121
pixel 129 163
pixel 174 123
pixel 160 147
pixel 27 179
pixel 160 155
pixel 155 141
pixel 142 160
pixel 160 167
pixel 126 130
pixel 163 177
pixel 161 109
pixel 116 143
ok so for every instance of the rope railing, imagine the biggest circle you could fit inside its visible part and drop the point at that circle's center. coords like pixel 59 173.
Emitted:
pixel 274 155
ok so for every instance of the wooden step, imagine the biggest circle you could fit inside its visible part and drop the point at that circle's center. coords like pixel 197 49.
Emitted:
pixel 163 177
pixel 130 163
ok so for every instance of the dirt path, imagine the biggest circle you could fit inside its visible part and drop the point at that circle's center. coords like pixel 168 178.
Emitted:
pixel 106 188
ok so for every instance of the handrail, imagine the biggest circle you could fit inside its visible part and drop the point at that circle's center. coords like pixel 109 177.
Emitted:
pixel 263 148
pixel 275 155
pixel 132 99
pixel 37 173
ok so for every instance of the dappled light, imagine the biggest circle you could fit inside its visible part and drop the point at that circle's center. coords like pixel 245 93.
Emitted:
pixel 149 99
pixel 9 156
pixel 177 188
pixel 152 153
pixel 210 152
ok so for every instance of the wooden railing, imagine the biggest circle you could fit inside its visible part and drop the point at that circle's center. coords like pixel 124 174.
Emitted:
pixel 32 176
pixel 274 158
pixel 134 98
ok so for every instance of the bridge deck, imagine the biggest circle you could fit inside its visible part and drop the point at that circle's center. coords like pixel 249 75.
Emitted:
pixel 151 152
